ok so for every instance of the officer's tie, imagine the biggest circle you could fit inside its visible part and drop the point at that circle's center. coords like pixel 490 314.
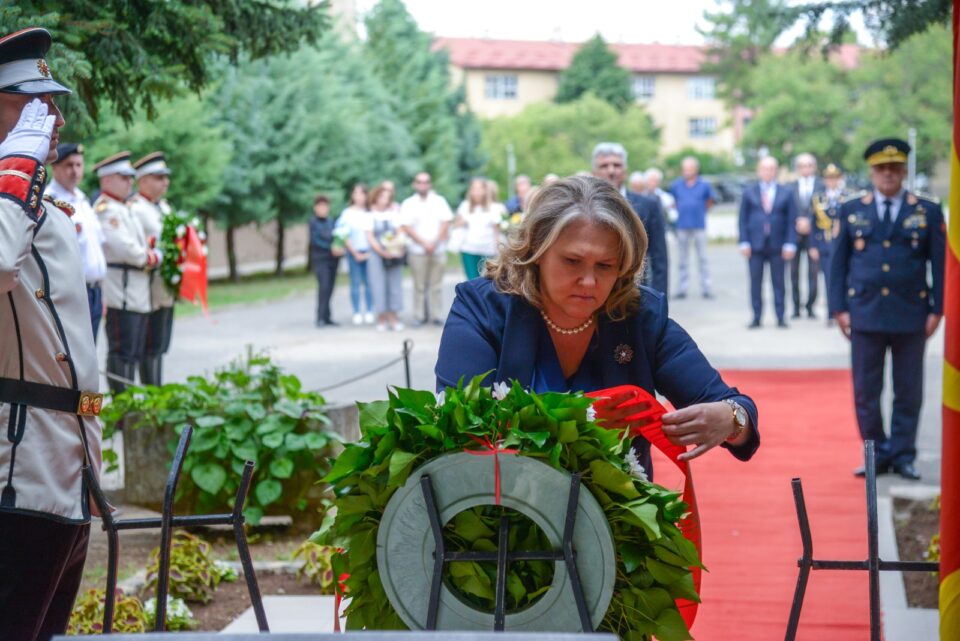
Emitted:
pixel 887 214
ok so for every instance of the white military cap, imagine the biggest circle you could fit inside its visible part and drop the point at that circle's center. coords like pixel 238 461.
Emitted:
pixel 152 163
pixel 23 69
pixel 115 164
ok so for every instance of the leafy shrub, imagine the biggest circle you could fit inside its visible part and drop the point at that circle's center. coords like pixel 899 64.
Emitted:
pixel 250 410
pixel 87 615
pixel 178 616
pixel 194 574
pixel 317 565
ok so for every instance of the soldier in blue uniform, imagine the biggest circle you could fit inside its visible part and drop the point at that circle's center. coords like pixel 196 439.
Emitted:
pixel 882 299
pixel 826 220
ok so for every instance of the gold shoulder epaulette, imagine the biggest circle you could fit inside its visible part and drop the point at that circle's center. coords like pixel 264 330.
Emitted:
pixel 855 196
pixel 917 196
pixel 61 204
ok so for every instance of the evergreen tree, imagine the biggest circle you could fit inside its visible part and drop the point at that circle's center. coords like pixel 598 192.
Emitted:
pixel 417 82
pixel 133 55
pixel 298 133
pixel 594 69
pixel 195 147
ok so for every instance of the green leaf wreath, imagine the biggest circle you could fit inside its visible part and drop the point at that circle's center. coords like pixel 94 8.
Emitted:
pixel 172 243
pixel 412 427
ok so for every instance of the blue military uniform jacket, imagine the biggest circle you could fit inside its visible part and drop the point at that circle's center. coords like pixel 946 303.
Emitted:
pixel 826 218
pixel 487 330
pixel 882 280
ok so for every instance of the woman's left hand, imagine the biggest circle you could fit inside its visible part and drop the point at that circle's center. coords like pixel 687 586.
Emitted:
pixel 704 425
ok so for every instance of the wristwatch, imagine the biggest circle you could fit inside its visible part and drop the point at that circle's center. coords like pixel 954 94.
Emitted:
pixel 739 419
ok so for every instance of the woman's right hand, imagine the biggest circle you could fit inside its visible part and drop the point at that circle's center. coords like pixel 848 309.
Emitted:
pixel 612 416
pixel 361 257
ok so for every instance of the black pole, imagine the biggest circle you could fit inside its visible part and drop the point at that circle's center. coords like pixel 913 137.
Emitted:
pixel 407 348
pixel 243 550
pixel 805 562
pixel 873 547
pixel 166 528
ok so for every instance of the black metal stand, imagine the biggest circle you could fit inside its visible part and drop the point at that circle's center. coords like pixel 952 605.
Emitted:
pixel 503 557
pixel 166 523
pixel 873 564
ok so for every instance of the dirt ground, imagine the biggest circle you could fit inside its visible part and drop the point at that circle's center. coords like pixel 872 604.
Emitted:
pixel 915 523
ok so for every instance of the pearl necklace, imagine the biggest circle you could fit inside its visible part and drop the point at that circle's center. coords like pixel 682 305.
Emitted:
pixel 557 328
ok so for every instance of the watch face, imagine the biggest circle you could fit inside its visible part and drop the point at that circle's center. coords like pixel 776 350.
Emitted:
pixel 741 416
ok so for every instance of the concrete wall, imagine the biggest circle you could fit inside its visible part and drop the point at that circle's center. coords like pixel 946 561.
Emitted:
pixel 256 248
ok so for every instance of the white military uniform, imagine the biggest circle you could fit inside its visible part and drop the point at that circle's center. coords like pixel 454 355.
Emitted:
pixel 46 339
pixel 125 288
pixel 150 216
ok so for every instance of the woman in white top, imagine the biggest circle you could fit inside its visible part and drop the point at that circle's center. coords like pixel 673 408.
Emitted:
pixel 480 216
pixel 355 219
pixel 388 245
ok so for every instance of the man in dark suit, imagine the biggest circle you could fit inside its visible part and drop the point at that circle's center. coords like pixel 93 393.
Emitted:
pixel 882 299
pixel 805 186
pixel 610 164
pixel 768 235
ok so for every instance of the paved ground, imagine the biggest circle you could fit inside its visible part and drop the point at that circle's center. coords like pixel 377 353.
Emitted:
pixel 326 357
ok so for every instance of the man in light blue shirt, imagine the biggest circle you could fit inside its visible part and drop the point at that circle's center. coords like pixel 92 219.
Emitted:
pixel 694 197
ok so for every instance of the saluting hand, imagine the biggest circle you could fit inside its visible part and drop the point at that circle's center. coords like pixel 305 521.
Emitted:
pixel 31 135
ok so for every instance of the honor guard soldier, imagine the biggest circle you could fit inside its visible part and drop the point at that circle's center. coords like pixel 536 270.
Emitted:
pixel 882 299
pixel 130 259
pixel 48 365
pixel 67 173
pixel 826 221
pixel 149 208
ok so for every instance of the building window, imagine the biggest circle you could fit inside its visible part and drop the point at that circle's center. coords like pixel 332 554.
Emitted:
pixel 701 88
pixel 703 127
pixel 643 87
pixel 501 87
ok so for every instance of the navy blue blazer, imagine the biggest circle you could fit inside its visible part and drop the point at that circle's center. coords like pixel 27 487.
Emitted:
pixel 882 280
pixel 782 218
pixel 487 330
pixel 649 211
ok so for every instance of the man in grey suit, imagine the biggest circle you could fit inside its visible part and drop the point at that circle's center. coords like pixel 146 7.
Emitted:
pixel 805 186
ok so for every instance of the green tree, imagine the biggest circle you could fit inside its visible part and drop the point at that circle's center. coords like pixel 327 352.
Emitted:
pixel 548 137
pixel 298 133
pixel 895 21
pixel 710 164
pixel 417 83
pixel 195 147
pixel 802 105
pixel 907 87
pixel 738 36
pixel 133 55
pixel 594 69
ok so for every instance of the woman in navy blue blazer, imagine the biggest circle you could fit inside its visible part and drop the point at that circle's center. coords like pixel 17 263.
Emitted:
pixel 560 310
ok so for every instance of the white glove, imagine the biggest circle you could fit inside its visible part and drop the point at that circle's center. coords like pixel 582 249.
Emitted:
pixel 31 135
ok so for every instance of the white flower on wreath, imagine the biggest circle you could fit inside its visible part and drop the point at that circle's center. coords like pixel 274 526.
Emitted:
pixel 202 236
pixel 181 231
pixel 175 279
pixel 591 414
pixel 635 469
pixel 500 390
pixel 205 250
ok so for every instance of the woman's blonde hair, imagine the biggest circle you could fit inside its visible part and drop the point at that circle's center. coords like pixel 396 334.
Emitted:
pixel 552 209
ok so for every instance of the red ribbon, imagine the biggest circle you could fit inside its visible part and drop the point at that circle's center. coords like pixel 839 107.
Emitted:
pixel 193 283
pixel 491 449
pixel 338 591
pixel 652 429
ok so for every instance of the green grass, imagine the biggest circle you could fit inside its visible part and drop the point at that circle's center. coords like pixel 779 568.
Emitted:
pixel 252 289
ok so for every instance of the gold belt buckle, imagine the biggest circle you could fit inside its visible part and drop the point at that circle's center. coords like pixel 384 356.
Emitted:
pixel 90 404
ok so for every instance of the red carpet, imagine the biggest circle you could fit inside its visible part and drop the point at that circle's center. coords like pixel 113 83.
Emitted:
pixel 750 534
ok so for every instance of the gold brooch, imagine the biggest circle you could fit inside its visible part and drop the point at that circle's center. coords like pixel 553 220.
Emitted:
pixel 623 354
pixel 43 68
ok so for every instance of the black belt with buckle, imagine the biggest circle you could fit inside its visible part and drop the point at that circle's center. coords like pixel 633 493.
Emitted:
pixel 50 397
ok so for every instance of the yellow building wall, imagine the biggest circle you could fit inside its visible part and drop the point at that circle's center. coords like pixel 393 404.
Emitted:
pixel 532 86
pixel 670 107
